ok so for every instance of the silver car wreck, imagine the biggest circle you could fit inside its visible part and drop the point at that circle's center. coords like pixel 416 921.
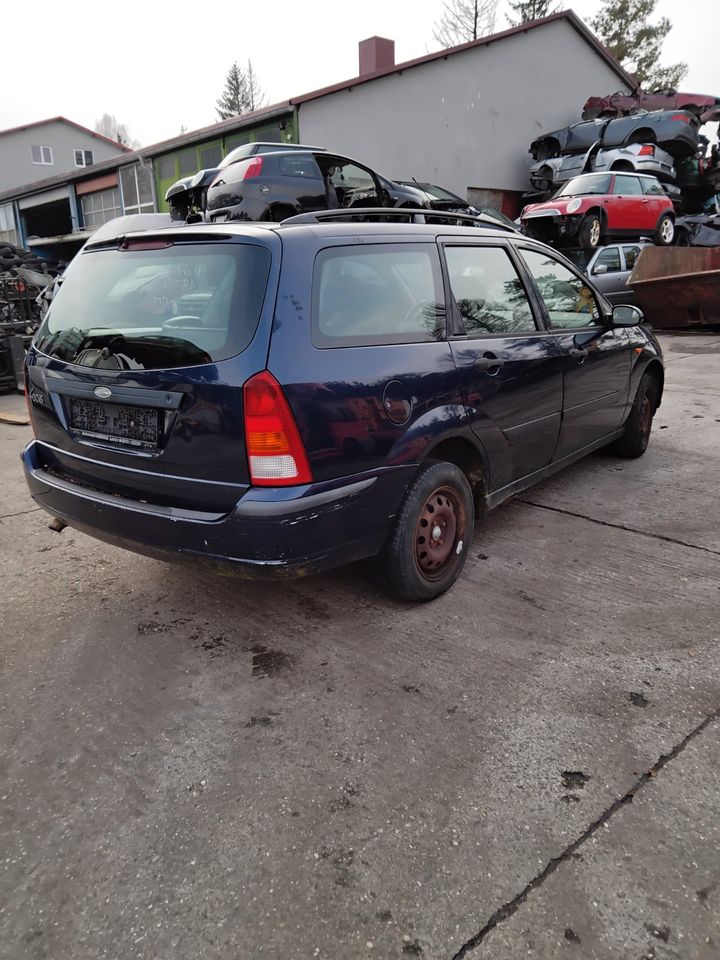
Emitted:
pixel 635 158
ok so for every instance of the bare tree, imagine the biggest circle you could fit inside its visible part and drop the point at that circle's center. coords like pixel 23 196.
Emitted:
pixel 255 93
pixel 109 127
pixel 465 20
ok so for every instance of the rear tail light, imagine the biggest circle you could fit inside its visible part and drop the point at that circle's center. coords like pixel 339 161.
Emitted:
pixel 276 455
pixel 254 168
pixel 647 151
pixel 683 117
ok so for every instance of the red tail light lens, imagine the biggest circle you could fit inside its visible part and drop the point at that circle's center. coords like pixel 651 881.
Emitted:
pixel 683 117
pixel 647 151
pixel 276 455
pixel 254 168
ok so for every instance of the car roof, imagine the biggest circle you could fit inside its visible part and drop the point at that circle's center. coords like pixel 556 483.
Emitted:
pixel 130 228
pixel 614 173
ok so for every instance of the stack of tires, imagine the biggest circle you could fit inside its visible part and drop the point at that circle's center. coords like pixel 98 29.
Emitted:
pixel 12 256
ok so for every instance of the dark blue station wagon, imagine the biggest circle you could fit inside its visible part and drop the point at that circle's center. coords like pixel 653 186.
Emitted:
pixel 284 398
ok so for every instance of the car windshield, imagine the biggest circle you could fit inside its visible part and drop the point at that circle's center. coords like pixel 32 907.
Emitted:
pixel 173 305
pixel 582 186
pixel 497 215
pixel 435 192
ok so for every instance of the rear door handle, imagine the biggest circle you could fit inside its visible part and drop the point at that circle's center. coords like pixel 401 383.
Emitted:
pixel 488 363
pixel 577 353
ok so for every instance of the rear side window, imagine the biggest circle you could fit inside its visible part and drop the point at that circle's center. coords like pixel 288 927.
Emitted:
pixel 299 167
pixel 147 309
pixel 378 294
pixel 652 188
pixel 488 291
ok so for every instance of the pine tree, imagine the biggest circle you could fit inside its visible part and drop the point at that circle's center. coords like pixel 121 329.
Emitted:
pixel 625 29
pixel 465 20
pixel 235 99
pixel 531 10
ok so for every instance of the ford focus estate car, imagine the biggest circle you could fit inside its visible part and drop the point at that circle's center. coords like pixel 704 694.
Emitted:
pixel 279 399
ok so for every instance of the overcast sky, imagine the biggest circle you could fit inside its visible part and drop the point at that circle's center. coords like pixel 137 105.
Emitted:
pixel 144 63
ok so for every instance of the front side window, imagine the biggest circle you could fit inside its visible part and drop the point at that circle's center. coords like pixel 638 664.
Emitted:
pixel 627 186
pixel 609 258
pixel 41 154
pixel 488 291
pixel 378 294
pixel 140 309
pixel 347 184
pixel 569 301
pixel 83 158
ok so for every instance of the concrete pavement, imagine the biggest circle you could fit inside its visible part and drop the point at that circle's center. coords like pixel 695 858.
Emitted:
pixel 194 766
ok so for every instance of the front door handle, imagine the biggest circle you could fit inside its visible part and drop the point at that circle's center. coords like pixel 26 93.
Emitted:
pixel 488 363
pixel 579 354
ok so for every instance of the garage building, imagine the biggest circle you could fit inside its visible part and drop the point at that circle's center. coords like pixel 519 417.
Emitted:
pixel 464 117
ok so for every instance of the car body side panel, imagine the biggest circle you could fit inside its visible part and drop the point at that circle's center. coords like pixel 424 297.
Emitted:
pixel 357 407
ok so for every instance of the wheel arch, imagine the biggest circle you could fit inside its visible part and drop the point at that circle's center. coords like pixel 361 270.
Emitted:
pixel 656 370
pixel 280 211
pixel 466 456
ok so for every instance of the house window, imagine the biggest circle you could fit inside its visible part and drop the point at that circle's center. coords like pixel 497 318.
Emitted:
pixel 83 158
pixel 100 206
pixel 8 233
pixel 137 189
pixel 42 154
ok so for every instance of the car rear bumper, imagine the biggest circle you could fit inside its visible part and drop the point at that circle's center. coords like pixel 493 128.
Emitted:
pixel 270 532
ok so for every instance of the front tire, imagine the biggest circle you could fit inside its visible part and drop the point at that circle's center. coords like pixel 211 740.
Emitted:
pixel 590 232
pixel 634 441
pixel 665 233
pixel 428 545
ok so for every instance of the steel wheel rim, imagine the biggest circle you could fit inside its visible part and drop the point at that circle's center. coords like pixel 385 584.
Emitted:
pixel 439 533
pixel 595 233
pixel 667 231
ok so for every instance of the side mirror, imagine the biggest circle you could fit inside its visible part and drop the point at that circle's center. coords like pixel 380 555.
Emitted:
pixel 600 268
pixel 626 316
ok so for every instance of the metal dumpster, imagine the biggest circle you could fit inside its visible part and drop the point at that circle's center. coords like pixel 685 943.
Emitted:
pixel 678 286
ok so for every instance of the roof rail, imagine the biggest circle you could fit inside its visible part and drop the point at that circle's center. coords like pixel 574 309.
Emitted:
pixel 412 214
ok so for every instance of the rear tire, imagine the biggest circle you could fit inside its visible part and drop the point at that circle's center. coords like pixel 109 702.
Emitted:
pixel 634 441
pixel 590 232
pixel 429 543
pixel 665 233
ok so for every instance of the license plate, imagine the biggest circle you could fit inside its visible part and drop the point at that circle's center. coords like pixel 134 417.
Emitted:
pixel 135 426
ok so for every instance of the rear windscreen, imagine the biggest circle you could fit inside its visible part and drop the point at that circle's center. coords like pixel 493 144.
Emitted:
pixel 175 306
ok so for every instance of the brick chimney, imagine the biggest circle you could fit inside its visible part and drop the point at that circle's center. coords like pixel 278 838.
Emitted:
pixel 376 53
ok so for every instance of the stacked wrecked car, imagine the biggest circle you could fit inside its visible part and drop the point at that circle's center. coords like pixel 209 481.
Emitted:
pixel 660 134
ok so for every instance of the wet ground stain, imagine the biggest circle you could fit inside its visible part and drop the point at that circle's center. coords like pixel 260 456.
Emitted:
pixel 270 663
pixel 574 779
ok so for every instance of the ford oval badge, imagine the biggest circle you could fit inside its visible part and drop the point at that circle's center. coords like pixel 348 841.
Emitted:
pixel 102 393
